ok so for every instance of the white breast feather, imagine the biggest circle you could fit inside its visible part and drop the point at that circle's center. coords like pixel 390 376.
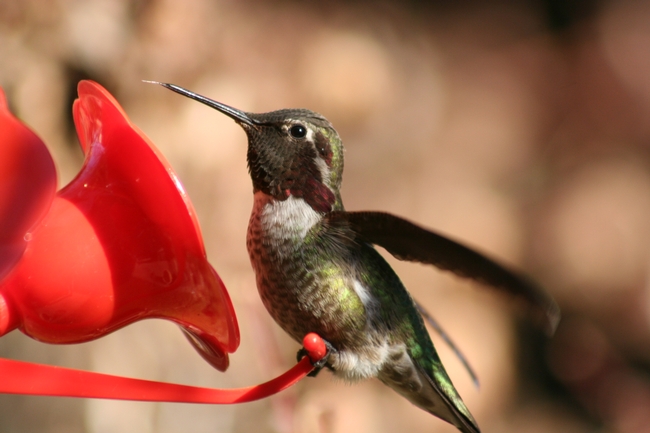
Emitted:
pixel 287 218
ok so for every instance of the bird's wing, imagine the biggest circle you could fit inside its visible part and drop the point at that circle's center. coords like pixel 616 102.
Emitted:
pixel 428 318
pixel 407 241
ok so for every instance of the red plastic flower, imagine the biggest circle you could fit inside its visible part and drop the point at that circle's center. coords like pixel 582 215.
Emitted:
pixel 120 243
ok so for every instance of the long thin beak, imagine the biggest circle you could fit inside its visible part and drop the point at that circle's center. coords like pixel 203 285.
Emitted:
pixel 229 111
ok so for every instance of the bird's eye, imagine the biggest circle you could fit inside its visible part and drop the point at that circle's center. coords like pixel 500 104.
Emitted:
pixel 298 131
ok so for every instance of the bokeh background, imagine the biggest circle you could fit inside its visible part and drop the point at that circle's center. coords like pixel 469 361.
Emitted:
pixel 519 127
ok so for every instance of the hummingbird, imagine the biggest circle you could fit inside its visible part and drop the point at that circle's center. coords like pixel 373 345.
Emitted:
pixel 317 269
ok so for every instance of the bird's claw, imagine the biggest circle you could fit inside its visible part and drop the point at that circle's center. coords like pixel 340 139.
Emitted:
pixel 318 364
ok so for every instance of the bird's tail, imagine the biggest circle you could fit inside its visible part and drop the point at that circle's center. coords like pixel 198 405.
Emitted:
pixel 434 393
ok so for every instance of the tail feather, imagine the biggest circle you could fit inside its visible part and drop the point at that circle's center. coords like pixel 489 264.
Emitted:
pixel 436 396
pixel 461 416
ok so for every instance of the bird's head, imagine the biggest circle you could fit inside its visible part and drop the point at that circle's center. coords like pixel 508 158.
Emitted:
pixel 291 152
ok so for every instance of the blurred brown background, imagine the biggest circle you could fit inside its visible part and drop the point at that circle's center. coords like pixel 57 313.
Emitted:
pixel 519 127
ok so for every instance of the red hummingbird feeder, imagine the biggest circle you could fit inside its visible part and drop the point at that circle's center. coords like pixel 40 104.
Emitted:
pixel 118 244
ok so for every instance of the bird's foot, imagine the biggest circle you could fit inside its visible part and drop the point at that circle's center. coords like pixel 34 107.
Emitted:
pixel 322 353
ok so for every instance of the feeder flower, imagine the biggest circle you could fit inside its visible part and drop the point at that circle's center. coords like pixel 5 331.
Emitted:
pixel 119 243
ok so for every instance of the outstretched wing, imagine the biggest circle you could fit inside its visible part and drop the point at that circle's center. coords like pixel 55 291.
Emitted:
pixel 407 241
